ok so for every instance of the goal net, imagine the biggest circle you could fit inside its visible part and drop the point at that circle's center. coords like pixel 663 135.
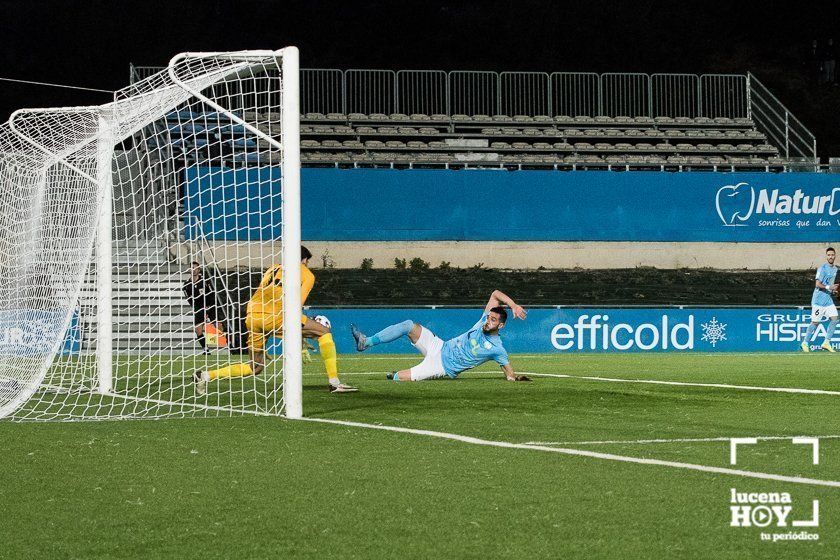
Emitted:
pixel 102 211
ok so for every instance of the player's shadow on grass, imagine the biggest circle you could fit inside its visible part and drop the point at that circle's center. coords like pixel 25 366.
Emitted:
pixel 389 398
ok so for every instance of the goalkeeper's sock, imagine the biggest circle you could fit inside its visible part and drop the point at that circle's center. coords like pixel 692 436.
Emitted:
pixel 234 370
pixel 327 346
pixel 829 331
pixel 809 334
pixel 202 341
pixel 389 334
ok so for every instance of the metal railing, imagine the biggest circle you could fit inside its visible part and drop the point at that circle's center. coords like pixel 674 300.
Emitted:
pixel 370 91
pixel 524 93
pixel 724 95
pixel 573 94
pixel 675 95
pixel 321 90
pixel 422 92
pixel 781 128
pixel 472 93
pixel 468 92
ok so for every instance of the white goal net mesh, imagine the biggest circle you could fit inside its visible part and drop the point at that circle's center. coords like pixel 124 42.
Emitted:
pixel 183 167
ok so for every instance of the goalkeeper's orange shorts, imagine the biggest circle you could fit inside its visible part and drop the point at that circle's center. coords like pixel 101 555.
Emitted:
pixel 261 326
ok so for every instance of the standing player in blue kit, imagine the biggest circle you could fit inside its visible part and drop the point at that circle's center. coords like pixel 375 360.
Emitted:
pixel 822 305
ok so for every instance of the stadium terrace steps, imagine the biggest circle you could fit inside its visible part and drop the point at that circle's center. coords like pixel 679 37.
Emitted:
pixel 417 139
pixel 146 254
pixel 149 307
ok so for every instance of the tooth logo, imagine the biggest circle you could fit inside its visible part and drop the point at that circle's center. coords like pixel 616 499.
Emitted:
pixel 735 204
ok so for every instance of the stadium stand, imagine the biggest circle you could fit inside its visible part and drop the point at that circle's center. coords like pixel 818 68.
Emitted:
pixel 473 120
pixel 559 141
pixel 572 127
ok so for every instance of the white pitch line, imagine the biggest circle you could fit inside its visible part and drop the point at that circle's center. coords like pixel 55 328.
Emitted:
pixel 674 440
pixel 584 453
pixel 688 384
pixel 582 355
pixel 416 357
pixel 191 405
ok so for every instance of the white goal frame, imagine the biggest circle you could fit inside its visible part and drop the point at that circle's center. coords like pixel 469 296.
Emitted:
pixel 107 138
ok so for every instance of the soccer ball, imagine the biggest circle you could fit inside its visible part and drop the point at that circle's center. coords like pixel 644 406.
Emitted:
pixel 323 320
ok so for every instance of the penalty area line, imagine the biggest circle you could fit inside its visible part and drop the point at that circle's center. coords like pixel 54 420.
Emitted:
pixel 688 384
pixel 582 453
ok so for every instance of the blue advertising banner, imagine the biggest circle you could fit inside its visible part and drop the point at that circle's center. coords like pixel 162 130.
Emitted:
pixel 34 332
pixel 599 330
pixel 441 204
pixel 242 205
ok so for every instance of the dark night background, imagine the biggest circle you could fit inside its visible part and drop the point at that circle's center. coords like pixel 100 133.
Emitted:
pixel 92 43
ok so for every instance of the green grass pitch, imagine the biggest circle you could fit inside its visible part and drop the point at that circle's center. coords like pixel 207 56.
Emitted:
pixel 264 487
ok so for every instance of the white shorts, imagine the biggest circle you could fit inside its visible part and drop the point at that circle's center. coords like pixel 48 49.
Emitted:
pixel 822 312
pixel 432 365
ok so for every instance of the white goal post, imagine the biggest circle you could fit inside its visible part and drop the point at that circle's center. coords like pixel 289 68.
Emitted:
pixel 103 210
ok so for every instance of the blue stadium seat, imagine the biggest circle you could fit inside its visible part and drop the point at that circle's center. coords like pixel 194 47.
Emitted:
pixel 231 130
pixel 181 115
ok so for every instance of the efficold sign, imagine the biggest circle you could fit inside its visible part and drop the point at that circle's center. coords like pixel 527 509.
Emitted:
pixel 598 332
pixel 604 329
pixel 742 205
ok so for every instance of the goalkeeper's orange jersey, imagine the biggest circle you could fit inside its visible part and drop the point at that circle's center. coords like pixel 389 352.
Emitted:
pixel 268 299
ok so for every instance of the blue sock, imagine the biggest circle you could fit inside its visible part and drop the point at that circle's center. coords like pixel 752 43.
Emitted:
pixel 396 376
pixel 389 334
pixel 829 331
pixel 809 334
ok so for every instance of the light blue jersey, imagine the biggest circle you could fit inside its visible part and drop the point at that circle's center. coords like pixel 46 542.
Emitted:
pixel 825 274
pixel 472 349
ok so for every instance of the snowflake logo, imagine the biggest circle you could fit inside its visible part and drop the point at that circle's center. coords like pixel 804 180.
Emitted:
pixel 713 331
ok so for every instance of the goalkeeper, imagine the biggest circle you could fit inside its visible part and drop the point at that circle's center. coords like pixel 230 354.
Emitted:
pixel 478 345
pixel 264 318
pixel 202 298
